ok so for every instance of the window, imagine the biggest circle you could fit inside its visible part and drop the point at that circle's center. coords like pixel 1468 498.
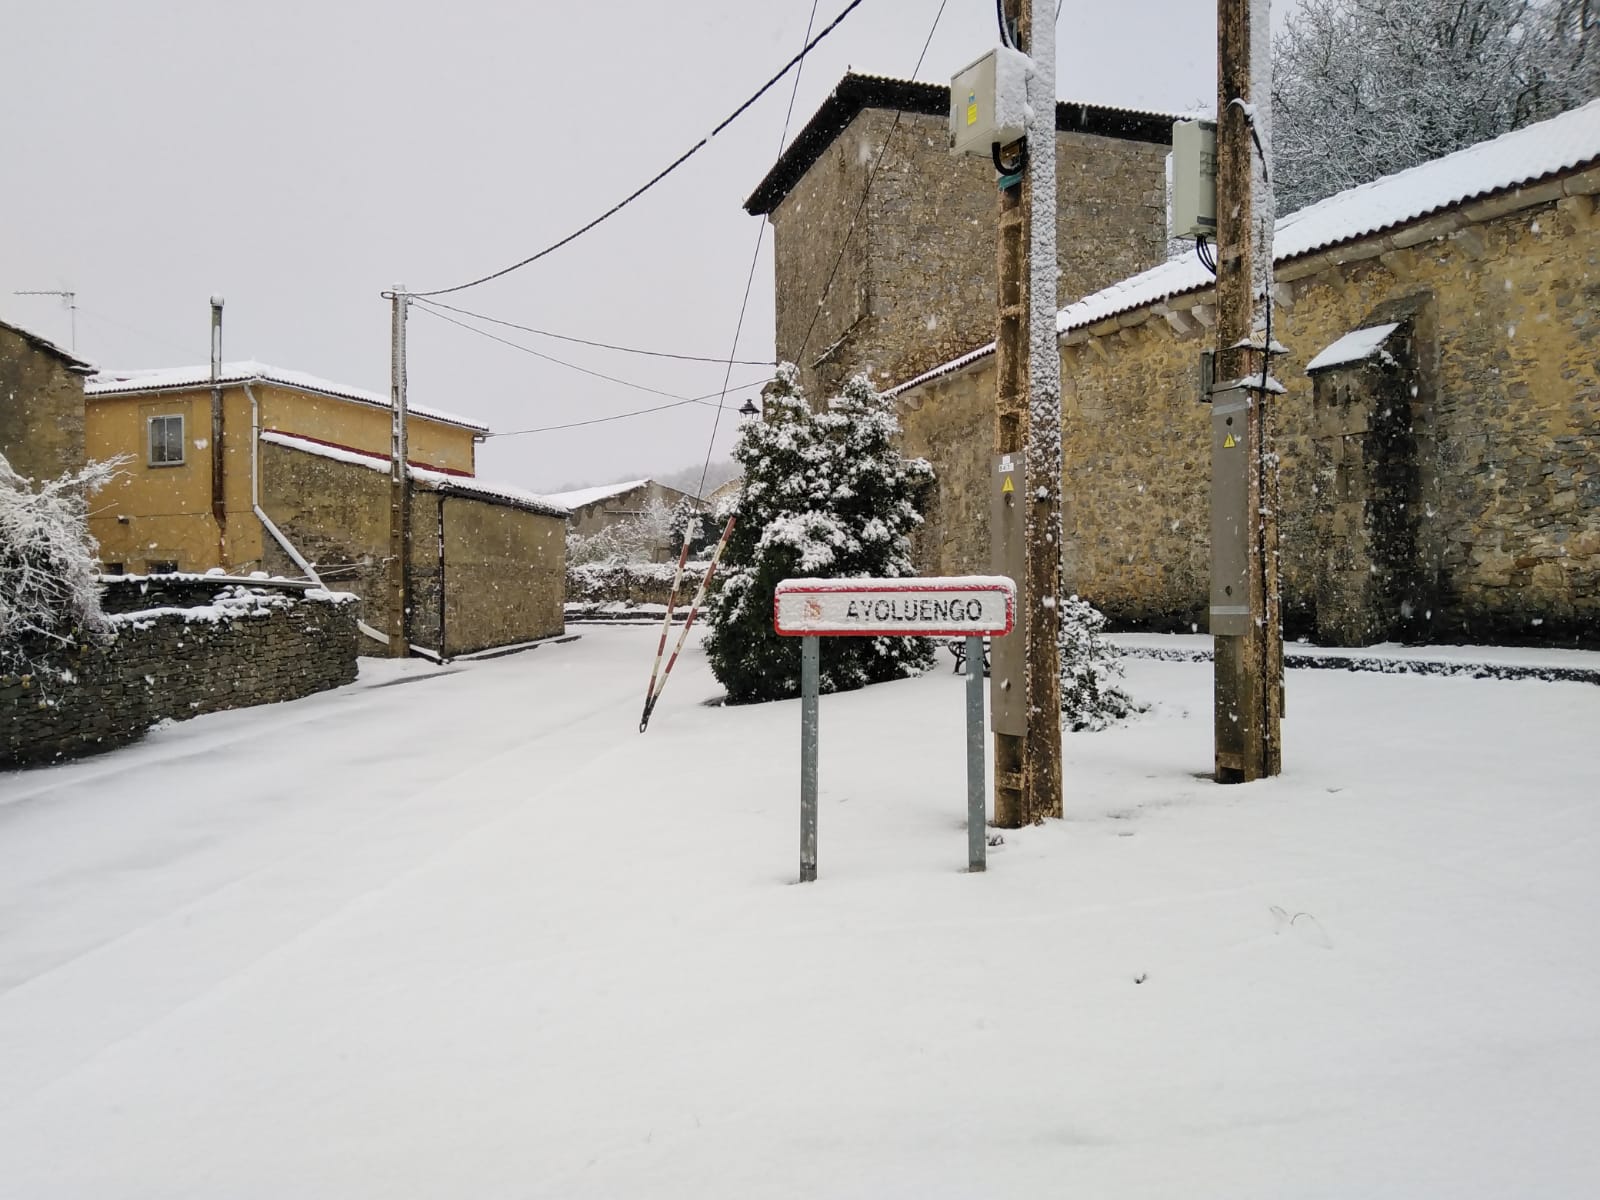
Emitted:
pixel 158 566
pixel 114 568
pixel 166 441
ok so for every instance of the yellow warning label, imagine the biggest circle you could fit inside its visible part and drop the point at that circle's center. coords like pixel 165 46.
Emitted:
pixel 1006 486
pixel 972 110
pixel 1228 443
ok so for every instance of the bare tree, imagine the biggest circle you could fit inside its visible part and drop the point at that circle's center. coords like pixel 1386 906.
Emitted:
pixel 49 575
pixel 1364 88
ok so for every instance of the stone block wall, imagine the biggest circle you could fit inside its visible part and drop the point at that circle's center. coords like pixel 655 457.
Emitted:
pixel 41 409
pixel 1505 429
pixel 916 285
pixel 246 645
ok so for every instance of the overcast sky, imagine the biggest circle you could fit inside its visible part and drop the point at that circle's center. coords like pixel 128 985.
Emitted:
pixel 301 155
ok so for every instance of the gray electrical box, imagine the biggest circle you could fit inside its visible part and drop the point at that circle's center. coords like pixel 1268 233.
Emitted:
pixel 1194 179
pixel 1230 515
pixel 1008 656
pixel 988 103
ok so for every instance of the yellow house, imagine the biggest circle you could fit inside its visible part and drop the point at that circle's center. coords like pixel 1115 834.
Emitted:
pixel 162 516
pixel 302 488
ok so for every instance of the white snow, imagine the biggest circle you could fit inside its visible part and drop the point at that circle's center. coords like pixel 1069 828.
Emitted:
pixel 116 383
pixel 472 935
pixel 1515 159
pixel 583 497
pixel 439 481
pixel 1354 346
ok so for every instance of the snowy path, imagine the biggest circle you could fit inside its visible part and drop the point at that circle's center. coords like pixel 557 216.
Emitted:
pixel 474 936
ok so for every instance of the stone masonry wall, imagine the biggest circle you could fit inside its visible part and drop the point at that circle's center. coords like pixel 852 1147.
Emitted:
pixel 249 645
pixel 1506 428
pixel 916 287
pixel 41 410
pixel 504 569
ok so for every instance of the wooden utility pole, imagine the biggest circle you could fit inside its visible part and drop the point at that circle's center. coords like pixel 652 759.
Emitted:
pixel 1027 768
pixel 399 484
pixel 1246 619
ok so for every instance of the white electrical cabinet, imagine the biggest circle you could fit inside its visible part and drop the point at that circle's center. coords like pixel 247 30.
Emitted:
pixel 989 102
pixel 1194 179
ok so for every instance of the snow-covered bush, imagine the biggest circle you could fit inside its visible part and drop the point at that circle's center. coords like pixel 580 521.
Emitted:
pixel 49 573
pixel 827 495
pixel 1091 697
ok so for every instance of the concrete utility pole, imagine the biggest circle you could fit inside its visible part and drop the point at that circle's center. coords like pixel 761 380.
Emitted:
pixel 399 490
pixel 1245 612
pixel 1027 769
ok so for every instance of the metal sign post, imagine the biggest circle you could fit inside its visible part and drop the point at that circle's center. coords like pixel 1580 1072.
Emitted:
pixel 966 606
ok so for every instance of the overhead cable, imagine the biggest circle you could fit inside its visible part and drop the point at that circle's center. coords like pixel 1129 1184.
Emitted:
pixel 563 337
pixel 663 173
pixel 867 191
pixel 750 277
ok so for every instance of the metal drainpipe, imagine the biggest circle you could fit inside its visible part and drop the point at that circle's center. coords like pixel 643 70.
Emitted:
pixel 219 505
pixel 441 576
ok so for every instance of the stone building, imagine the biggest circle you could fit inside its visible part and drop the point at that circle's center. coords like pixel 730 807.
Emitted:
pixel 304 483
pixel 1440 434
pixel 41 405
pixel 899 276
pixel 608 504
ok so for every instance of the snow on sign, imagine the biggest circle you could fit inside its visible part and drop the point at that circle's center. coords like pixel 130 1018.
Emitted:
pixel 955 606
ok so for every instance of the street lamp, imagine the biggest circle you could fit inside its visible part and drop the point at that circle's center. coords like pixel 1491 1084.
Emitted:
pixel 749 409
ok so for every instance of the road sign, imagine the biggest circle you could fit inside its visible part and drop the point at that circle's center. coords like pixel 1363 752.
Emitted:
pixel 959 606
pixel 967 606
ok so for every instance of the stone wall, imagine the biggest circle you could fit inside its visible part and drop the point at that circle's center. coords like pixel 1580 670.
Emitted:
pixel 916 286
pixel 504 566
pixel 246 645
pixel 1504 440
pixel 505 575
pixel 41 408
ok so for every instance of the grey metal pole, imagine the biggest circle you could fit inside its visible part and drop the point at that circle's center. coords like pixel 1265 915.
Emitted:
pixel 810 661
pixel 975 780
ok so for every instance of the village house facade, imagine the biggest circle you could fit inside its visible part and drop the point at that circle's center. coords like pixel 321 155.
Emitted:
pixel 1439 436
pixel 304 485
pixel 41 405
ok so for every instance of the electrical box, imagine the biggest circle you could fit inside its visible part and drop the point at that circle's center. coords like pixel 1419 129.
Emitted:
pixel 1194 179
pixel 1230 515
pixel 1008 656
pixel 989 102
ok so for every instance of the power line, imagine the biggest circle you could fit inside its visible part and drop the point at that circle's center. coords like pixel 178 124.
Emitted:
pixel 563 337
pixel 560 362
pixel 866 191
pixel 638 412
pixel 755 257
pixel 669 169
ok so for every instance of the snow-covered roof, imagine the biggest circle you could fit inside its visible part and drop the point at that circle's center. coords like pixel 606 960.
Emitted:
pixel 73 362
pixel 116 383
pixel 438 481
pixel 856 92
pixel 1512 160
pixel 584 497
pixel 1354 346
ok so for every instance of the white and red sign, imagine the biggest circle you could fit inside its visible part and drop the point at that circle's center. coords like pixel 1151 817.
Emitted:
pixel 957 606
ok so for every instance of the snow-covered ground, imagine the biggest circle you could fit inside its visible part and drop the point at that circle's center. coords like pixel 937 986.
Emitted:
pixel 475 936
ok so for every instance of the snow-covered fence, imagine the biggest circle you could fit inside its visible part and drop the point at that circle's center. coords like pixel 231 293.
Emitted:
pixel 181 646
